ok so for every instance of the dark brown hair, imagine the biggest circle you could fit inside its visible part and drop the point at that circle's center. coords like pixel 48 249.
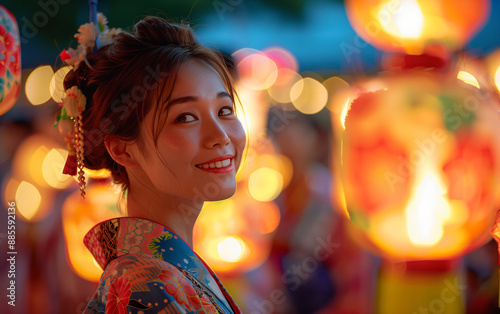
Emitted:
pixel 136 73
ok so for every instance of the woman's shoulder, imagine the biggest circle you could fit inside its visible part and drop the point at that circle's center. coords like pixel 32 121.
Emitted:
pixel 141 282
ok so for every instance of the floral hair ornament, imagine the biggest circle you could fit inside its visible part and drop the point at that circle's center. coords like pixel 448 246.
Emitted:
pixel 90 37
pixel 70 126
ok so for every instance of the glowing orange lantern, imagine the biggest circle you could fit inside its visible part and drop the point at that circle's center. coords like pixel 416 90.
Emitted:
pixel 10 60
pixel 411 26
pixel 233 235
pixel 421 166
pixel 78 217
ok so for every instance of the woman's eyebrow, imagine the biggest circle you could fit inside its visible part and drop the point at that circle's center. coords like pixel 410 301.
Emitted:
pixel 185 99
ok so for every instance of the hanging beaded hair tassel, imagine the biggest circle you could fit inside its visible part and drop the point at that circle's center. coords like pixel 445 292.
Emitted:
pixel 71 113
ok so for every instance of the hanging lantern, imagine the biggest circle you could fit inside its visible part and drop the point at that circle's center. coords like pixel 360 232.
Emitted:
pixel 10 60
pixel 421 166
pixel 412 26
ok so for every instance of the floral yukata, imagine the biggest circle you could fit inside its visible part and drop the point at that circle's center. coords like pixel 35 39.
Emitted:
pixel 149 269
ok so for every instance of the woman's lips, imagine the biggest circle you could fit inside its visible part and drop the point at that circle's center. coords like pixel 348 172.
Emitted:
pixel 218 165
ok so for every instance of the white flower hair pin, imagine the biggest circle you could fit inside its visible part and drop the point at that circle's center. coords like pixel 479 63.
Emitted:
pixel 89 36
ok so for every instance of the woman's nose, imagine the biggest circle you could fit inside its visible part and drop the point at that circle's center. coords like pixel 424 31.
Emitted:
pixel 215 135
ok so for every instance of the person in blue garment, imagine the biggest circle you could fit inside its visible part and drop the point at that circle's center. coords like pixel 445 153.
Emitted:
pixel 156 109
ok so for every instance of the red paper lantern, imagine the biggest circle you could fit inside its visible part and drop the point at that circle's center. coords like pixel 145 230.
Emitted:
pixel 10 60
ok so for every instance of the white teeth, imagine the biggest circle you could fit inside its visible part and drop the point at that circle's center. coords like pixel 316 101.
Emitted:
pixel 218 164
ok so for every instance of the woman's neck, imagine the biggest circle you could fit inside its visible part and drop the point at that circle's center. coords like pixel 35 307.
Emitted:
pixel 177 214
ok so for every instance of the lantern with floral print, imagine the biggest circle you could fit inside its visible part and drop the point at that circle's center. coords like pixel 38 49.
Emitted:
pixel 421 166
pixel 412 26
pixel 10 60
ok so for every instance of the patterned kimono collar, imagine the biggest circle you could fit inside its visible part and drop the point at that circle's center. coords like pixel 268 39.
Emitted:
pixel 120 236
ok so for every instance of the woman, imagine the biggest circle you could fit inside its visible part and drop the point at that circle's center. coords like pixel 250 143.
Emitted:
pixel 159 114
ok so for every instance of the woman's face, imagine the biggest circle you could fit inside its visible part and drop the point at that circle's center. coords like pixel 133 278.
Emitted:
pixel 200 146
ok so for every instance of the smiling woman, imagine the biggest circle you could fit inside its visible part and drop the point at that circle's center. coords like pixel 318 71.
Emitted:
pixel 156 109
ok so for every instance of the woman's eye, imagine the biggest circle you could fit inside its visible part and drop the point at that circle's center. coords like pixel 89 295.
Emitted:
pixel 186 117
pixel 226 111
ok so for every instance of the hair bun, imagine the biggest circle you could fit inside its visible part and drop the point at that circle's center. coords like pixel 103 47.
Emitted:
pixel 156 31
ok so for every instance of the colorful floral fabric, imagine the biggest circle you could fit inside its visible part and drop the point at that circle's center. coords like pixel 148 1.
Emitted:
pixel 149 269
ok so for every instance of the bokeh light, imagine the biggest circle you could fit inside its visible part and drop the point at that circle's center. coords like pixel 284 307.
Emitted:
pixel 33 202
pixel 52 167
pixel 280 90
pixel 265 184
pixel 257 71
pixel 28 200
pixel 56 84
pixel 283 58
pixel 38 85
pixel 29 158
pixel 309 96
pixel 230 249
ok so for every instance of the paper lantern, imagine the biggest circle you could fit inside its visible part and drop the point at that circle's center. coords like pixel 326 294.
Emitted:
pixel 234 235
pixel 412 26
pixel 421 166
pixel 78 217
pixel 10 60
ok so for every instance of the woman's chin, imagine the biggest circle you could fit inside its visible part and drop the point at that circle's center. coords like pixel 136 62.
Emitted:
pixel 222 195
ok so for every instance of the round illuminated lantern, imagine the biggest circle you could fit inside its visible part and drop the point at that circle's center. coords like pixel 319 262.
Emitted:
pixel 10 60
pixel 411 26
pixel 421 166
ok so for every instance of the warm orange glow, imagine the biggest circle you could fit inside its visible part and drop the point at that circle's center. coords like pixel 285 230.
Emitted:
pixel 232 235
pixel 28 200
pixel 265 184
pixel 427 210
pixel 28 161
pixel 52 167
pixel 79 216
pixel 497 78
pixel 98 174
pixel 308 95
pixel 38 85
pixel 468 78
pixel 420 184
pixel 231 249
pixel 414 26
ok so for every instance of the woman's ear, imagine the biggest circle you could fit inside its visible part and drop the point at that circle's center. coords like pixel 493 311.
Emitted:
pixel 121 152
